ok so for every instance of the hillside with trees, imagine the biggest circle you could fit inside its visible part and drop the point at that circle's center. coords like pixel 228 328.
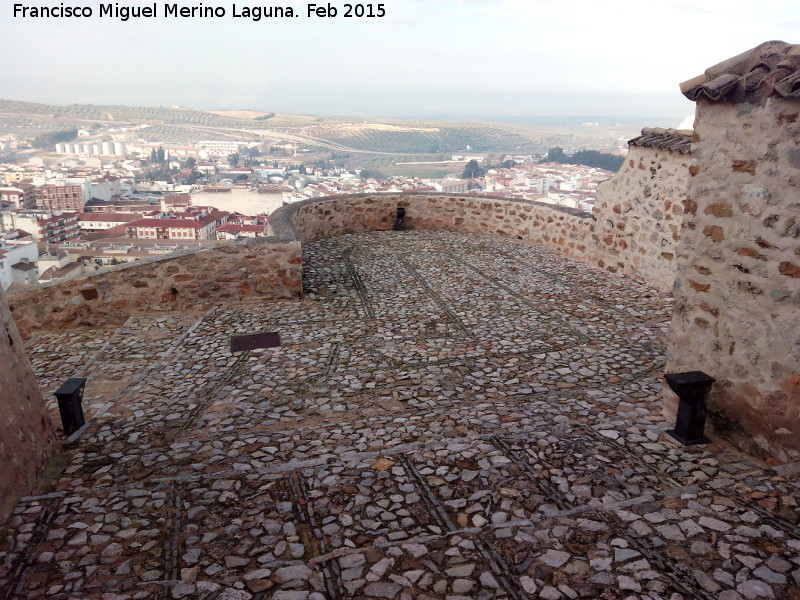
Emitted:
pixel 180 125
pixel 47 140
pixel 589 158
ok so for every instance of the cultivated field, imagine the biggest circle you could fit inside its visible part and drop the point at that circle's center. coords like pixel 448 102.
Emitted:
pixel 179 125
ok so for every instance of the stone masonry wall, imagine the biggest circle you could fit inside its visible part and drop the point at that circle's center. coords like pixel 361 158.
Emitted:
pixel 260 267
pixel 737 313
pixel 272 267
pixel 639 215
pixel 565 229
pixel 26 433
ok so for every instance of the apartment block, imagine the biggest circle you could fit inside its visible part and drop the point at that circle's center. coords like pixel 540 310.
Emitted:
pixel 44 225
pixel 60 197
pixel 22 195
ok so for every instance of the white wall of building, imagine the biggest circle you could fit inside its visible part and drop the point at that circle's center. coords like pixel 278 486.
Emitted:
pixel 13 254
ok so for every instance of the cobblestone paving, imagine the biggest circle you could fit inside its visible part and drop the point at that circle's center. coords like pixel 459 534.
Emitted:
pixel 448 416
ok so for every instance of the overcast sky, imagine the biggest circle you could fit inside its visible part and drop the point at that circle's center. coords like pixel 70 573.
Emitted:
pixel 445 57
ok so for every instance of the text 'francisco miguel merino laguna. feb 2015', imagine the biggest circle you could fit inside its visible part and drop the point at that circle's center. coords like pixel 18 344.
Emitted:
pixel 125 12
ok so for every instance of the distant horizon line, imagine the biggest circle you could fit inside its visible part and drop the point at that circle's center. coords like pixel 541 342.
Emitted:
pixel 451 105
pixel 415 116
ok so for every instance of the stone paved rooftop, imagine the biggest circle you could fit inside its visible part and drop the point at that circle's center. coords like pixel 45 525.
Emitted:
pixel 449 416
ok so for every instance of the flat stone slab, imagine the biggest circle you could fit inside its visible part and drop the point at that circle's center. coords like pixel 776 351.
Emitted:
pixel 256 341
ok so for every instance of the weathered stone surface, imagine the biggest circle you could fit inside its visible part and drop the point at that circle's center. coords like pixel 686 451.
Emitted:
pixel 272 270
pixel 26 433
pixel 382 590
pixel 236 561
pixel 640 211
pixel 737 280
pixel 554 558
pixel 254 474
pixel 295 572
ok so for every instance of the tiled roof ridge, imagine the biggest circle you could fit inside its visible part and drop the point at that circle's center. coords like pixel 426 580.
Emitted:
pixel 769 69
pixel 675 140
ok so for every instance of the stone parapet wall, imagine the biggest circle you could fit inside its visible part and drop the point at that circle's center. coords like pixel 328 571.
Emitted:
pixel 737 313
pixel 26 433
pixel 272 267
pixel 261 267
pixel 640 209
pixel 566 229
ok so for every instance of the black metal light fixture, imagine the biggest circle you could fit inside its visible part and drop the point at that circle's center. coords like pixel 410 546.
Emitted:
pixel 692 388
pixel 400 220
pixel 70 397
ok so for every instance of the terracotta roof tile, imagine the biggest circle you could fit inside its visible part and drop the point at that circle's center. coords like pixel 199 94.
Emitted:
pixel 676 140
pixel 771 69
pixel 111 232
pixel 56 272
pixel 108 217
pixel 191 223
pixel 21 266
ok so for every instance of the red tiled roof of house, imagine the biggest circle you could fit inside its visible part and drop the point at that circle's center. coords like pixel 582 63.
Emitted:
pixel 56 272
pixel 192 223
pixel 21 266
pixel 107 217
